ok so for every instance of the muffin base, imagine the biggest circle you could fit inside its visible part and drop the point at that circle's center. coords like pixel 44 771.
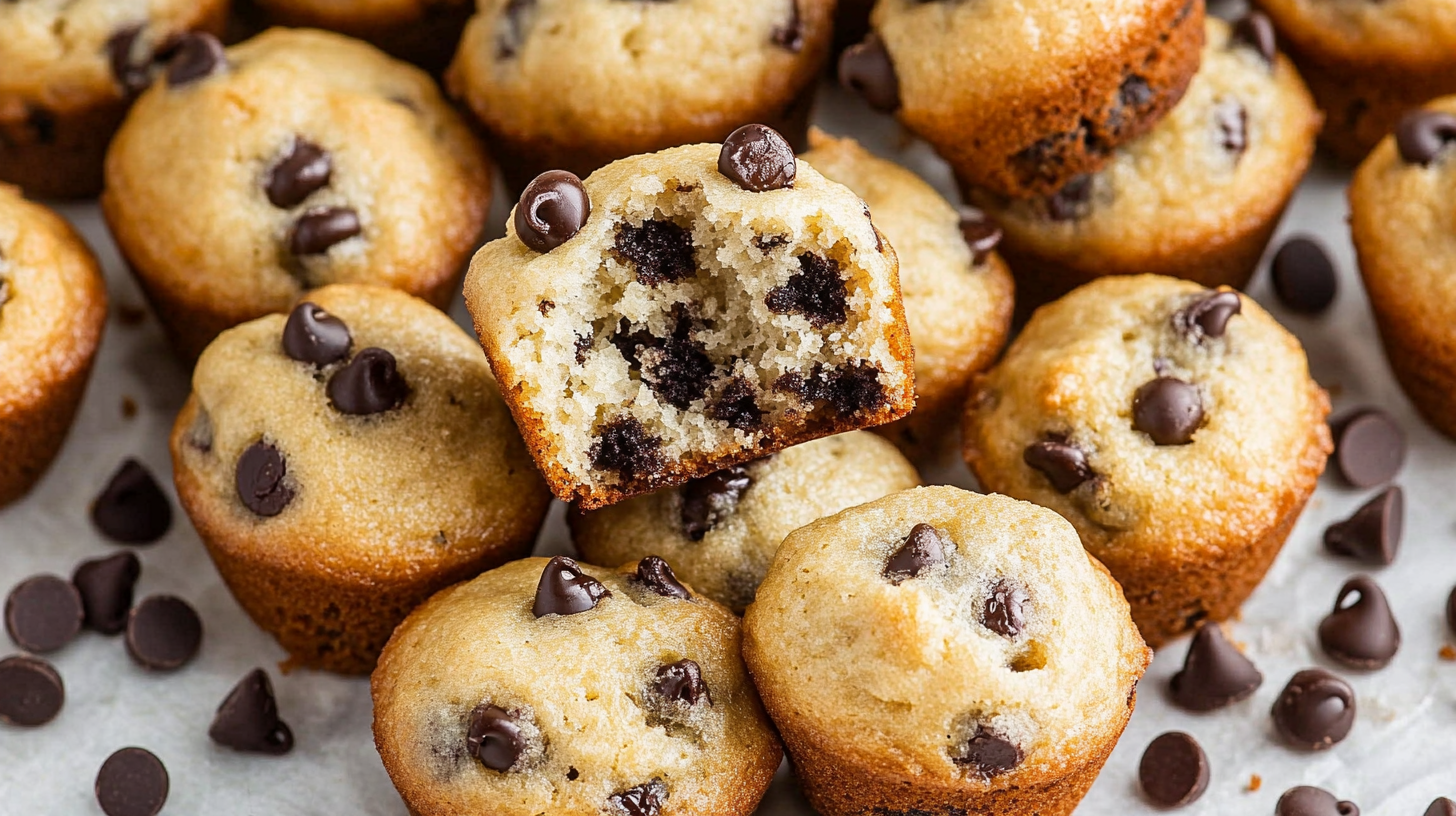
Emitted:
pixel 1424 363
pixel 427 40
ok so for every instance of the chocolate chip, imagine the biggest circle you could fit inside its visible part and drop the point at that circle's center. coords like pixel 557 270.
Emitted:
pixel 106 586
pixel 1064 464
pixel 306 169
pixel 737 405
pixel 624 447
pixel 369 384
pixel 1005 609
pixel 1362 634
pixel 1208 316
pixel 1071 202
pixel 644 800
pixel 513 28
pixel 658 251
pixel 677 368
pixel 980 233
pixel 1134 92
pixel 320 228
pixel 1255 30
pixel 43 613
pixel 195 55
pixel 849 389
pixel 565 590
pixel 132 782
pixel 1174 770
pixel 1441 807
pixel 1308 801
pixel 682 682
pixel 133 74
pixel 1369 447
pixel 790 35
pixel 757 158
pixel 495 737
pixel 1373 533
pixel 657 575
pixel 247 720
pixel 132 509
pixel 260 474
pixel 1214 674
pixel 552 208
pixel 1315 710
pixel 163 632
pixel 1231 119
pixel 817 292
pixel 1304 276
pixel 923 549
pixel 1422 136
pixel 866 69
pixel 987 754
pixel 314 336
pixel 1168 409
pixel 712 498
pixel 31 691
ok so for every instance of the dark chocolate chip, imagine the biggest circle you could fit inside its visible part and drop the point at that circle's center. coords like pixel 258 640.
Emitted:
pixel 1255 30
pixel 1214 674
pixel 1441 807
pixel 1174 770
pixel 314 336
pixel 923 549
pixel 1168 409
pixel 657 575
pixel 1231 120
pixel 1005 609
pixel 1134 92
pixel 988 754
pixel 682 682
pixel 31 691
pixel 1308 801
pixel 369 384
pixel 1071 202
pixel 1315 710
pixel 495 737
pixel 247 720
pixel 756 158
pixel 133 71
pixel 1373 533
pixel 866 69
pixel 552 208
pixel 1422 136
pixel 676 368
pixel 106 586
pixel 565 590
pixel 320 228
pixel 132 782
pixel 624 447
pixel 737 405
pixel 849 389
pixel 513 28
pixel 43 613
pixel 1304 276
pixel 644 800
pixel 132 509
pixel 817 292
pixel 163 632
pixel 1369 447
pixel 980 233
pixel 658 251
pixel 42 124
pixel 708 500
pixel 790 35
pixel 1208 316
pixel 1064 464
pixel 194 56
pixel 306 169
pixel 260 473
pixel 1362 634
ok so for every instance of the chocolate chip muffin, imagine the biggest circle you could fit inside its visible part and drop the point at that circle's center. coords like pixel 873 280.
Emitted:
pixel 575 84
pixel 545 686
pixel 52 310
pixel 424 32
pixel 68 73
pixel 293 160
pixel 685 311
pixel 1368 62
pixel 1196 198
pixel 957 290
pixel 1022 97
pixel 1176 427
pixel 344 462
pixel 1401 218
pixel 938 651
pixel 720 532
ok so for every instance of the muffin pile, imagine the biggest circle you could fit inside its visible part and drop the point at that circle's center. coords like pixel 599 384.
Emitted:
pixel 727 341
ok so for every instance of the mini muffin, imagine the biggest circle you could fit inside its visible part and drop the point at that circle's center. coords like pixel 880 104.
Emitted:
pixel 957 291
pixel 663 321
pixel 68 73
pixel 720 532
pixel 345 462
pixel 1176 427
pixel 424 32
pixel 548 687
pixel 1402 218
pixel 294 160
pixel 1368 62
pixel 1022 97
pixel 1196 198
pixel 575 84
pixel 939 651
pixel 52 310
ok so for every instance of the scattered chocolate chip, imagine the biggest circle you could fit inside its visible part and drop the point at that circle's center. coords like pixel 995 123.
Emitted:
pixel 866 69
pixel 1304 276
pixel 1214 674
pixel 676 368
pixel 1369 447
pixel 133 71
pixel 565 590
pixel 790 35
pixel 849 389
pixel 1373 533
pixel 737 405
pixel 1134 92
pixel 1441 807
pixel 1362 634
pixel 657 575
pixel 163 632
pixel 31 691
pixel 260 474
pixel 817 292
pixel 306 169
pixel 923 549
pixel 106 586
pixel 320 228
pixel 247 720
pixel 1168 409
pixel 980 233
pixel 1315 710
pixel 369 384
pixel 1063 464
pixel 132 782
pixel 43 613
pixel 1005 609
pixel 624 447
pixel 513 28
pixel 1231 120
pixel 757 158
pixel 1422 136
pixel 1071 202
pixel 495 737
pixel 1255 30
pixel 988 754
pixel 712 498
pixel 658 251
pixel 682 682
pixel 1174 770
pixel 42 124
pixel 552 208
pixel 1307 801
pixel 644 800
pixel 1208 316
pixel 314 336
pixel 132 509
pixel 194 56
